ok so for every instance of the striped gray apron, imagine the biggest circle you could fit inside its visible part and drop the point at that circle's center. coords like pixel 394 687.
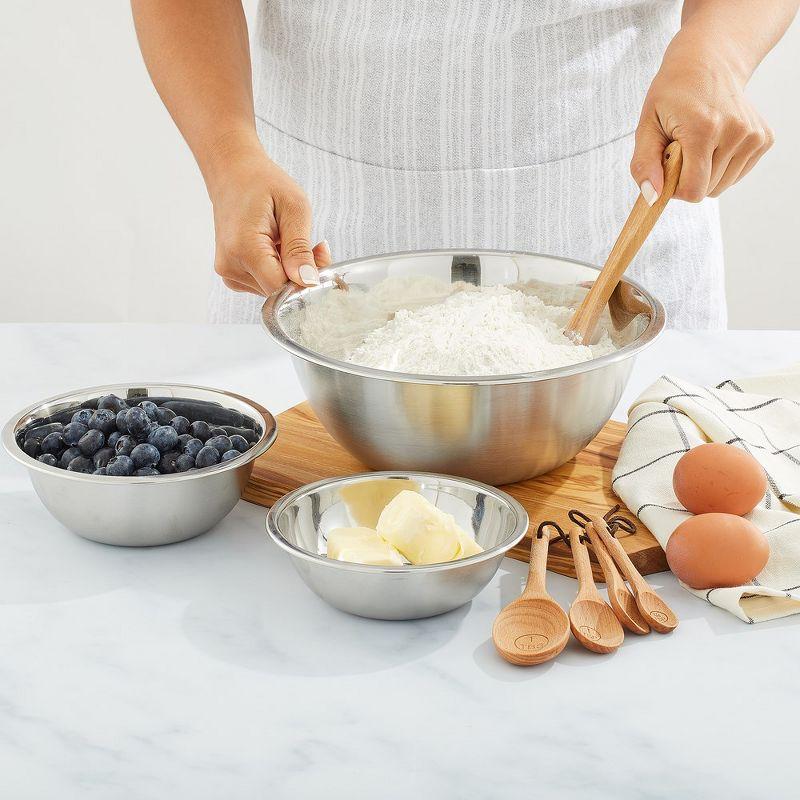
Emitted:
pixel 502 124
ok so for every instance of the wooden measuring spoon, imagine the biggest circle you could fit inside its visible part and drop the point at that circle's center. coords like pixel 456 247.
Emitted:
pixel 534 628
pixel 622 601
pixel 658 614
pixel 635 230
pixel 592 621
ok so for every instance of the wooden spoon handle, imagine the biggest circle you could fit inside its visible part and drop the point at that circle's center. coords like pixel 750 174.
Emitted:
pixel 635 230
pixel 583 566
pixel 617 552
pixel 612 576
pixel 537 566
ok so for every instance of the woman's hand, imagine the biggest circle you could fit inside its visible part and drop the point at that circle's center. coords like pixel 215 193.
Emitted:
pixel 198 56
pixel 697 98
pixel 262 221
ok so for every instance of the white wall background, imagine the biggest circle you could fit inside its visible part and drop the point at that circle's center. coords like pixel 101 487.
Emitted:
pixel 104 217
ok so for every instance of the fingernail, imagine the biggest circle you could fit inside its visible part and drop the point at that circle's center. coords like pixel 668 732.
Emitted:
pixel 648 192
pixel 309 275
pixel 327 246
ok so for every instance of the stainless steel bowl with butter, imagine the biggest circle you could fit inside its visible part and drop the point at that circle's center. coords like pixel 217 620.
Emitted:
pixel 301 520
pixel 140 511
pixel 498 429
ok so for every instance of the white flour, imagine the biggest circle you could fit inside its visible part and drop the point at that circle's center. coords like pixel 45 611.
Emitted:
pixel 439 329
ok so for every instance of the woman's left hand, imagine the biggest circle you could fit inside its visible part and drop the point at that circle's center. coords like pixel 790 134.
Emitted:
pixel 697 98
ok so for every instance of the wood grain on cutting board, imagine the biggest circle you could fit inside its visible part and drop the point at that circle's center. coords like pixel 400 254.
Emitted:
pixel 304 452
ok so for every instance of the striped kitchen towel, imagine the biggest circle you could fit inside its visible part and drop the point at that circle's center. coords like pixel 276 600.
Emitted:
pixel 760 415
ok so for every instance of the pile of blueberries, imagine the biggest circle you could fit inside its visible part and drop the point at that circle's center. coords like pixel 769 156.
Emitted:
pixel 139 437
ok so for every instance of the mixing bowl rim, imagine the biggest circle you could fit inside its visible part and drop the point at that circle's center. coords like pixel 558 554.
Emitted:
pixel 265 441
pixel 518 533
pixel 269 321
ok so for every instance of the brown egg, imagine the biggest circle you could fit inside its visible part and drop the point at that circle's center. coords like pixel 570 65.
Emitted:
pixel 714 550
pixel 718 477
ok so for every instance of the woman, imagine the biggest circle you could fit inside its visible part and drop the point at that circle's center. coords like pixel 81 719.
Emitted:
pixel 463 123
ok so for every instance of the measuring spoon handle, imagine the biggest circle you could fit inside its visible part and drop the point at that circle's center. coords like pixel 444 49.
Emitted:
pixel 537 566
pixel 612 576
pixel 583 566
pixel 617 552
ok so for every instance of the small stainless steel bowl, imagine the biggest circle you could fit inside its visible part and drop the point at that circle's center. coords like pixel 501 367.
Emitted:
pixel 300 521
pixel 498 429
pixel 140 511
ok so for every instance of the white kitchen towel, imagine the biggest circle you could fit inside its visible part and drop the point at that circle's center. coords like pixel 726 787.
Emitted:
pixel 762 416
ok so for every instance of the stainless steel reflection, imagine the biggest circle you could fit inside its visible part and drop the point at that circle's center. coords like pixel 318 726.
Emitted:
pixel 499 429
pixel 140 511
pixel 300 521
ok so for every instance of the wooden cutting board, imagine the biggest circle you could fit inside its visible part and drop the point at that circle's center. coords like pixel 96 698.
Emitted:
pixel 304 452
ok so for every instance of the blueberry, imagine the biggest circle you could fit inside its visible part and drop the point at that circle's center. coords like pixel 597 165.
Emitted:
pixel 146 471
pixel 164 416
pixel 68 455
pixel 229 454
pixel 145 455
pixel 193 447
pixel 82 416
pixel 91 442
pixel 150 408
pixel 239 443
pixel 217 431
pixel 32 447
pixel 112 403
pixel 49 459
pixel 183 439
pixel 200 430
pixel 103 456
pixel 138 422
pixel 73 432
pixel 221 443
pixel 207 457
pixel 181 425
pixel 166 466
pixel 81 464
pixel 103 420
pixel 113 439
pixel 100 471
pixel 124 445
pixel 165 438
pixel 184 462
pixel 120 466
pixel 53 443
pixel 122 420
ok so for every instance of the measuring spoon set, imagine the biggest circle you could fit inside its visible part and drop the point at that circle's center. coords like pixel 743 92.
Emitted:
pixel 534 628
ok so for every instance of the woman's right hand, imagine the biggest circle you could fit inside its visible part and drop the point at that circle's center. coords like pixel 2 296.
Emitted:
pixel 262 221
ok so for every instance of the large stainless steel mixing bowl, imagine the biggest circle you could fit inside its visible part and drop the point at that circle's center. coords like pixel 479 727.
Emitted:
pixel 300 522
pixel 140 511
pixel 497 429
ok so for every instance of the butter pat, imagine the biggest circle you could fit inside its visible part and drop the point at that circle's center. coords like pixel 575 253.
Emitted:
pixel 366 499
pixel 423 533
pixel 362 546
pixel 469 547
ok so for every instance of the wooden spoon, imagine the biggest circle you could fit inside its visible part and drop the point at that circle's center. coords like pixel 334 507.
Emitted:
pixel 635 230
pixel 622 601
pixel 658 614
pixel 592 621
pixel 534 628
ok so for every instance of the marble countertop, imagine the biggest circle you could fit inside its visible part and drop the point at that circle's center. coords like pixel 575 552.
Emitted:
pixel 207 669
